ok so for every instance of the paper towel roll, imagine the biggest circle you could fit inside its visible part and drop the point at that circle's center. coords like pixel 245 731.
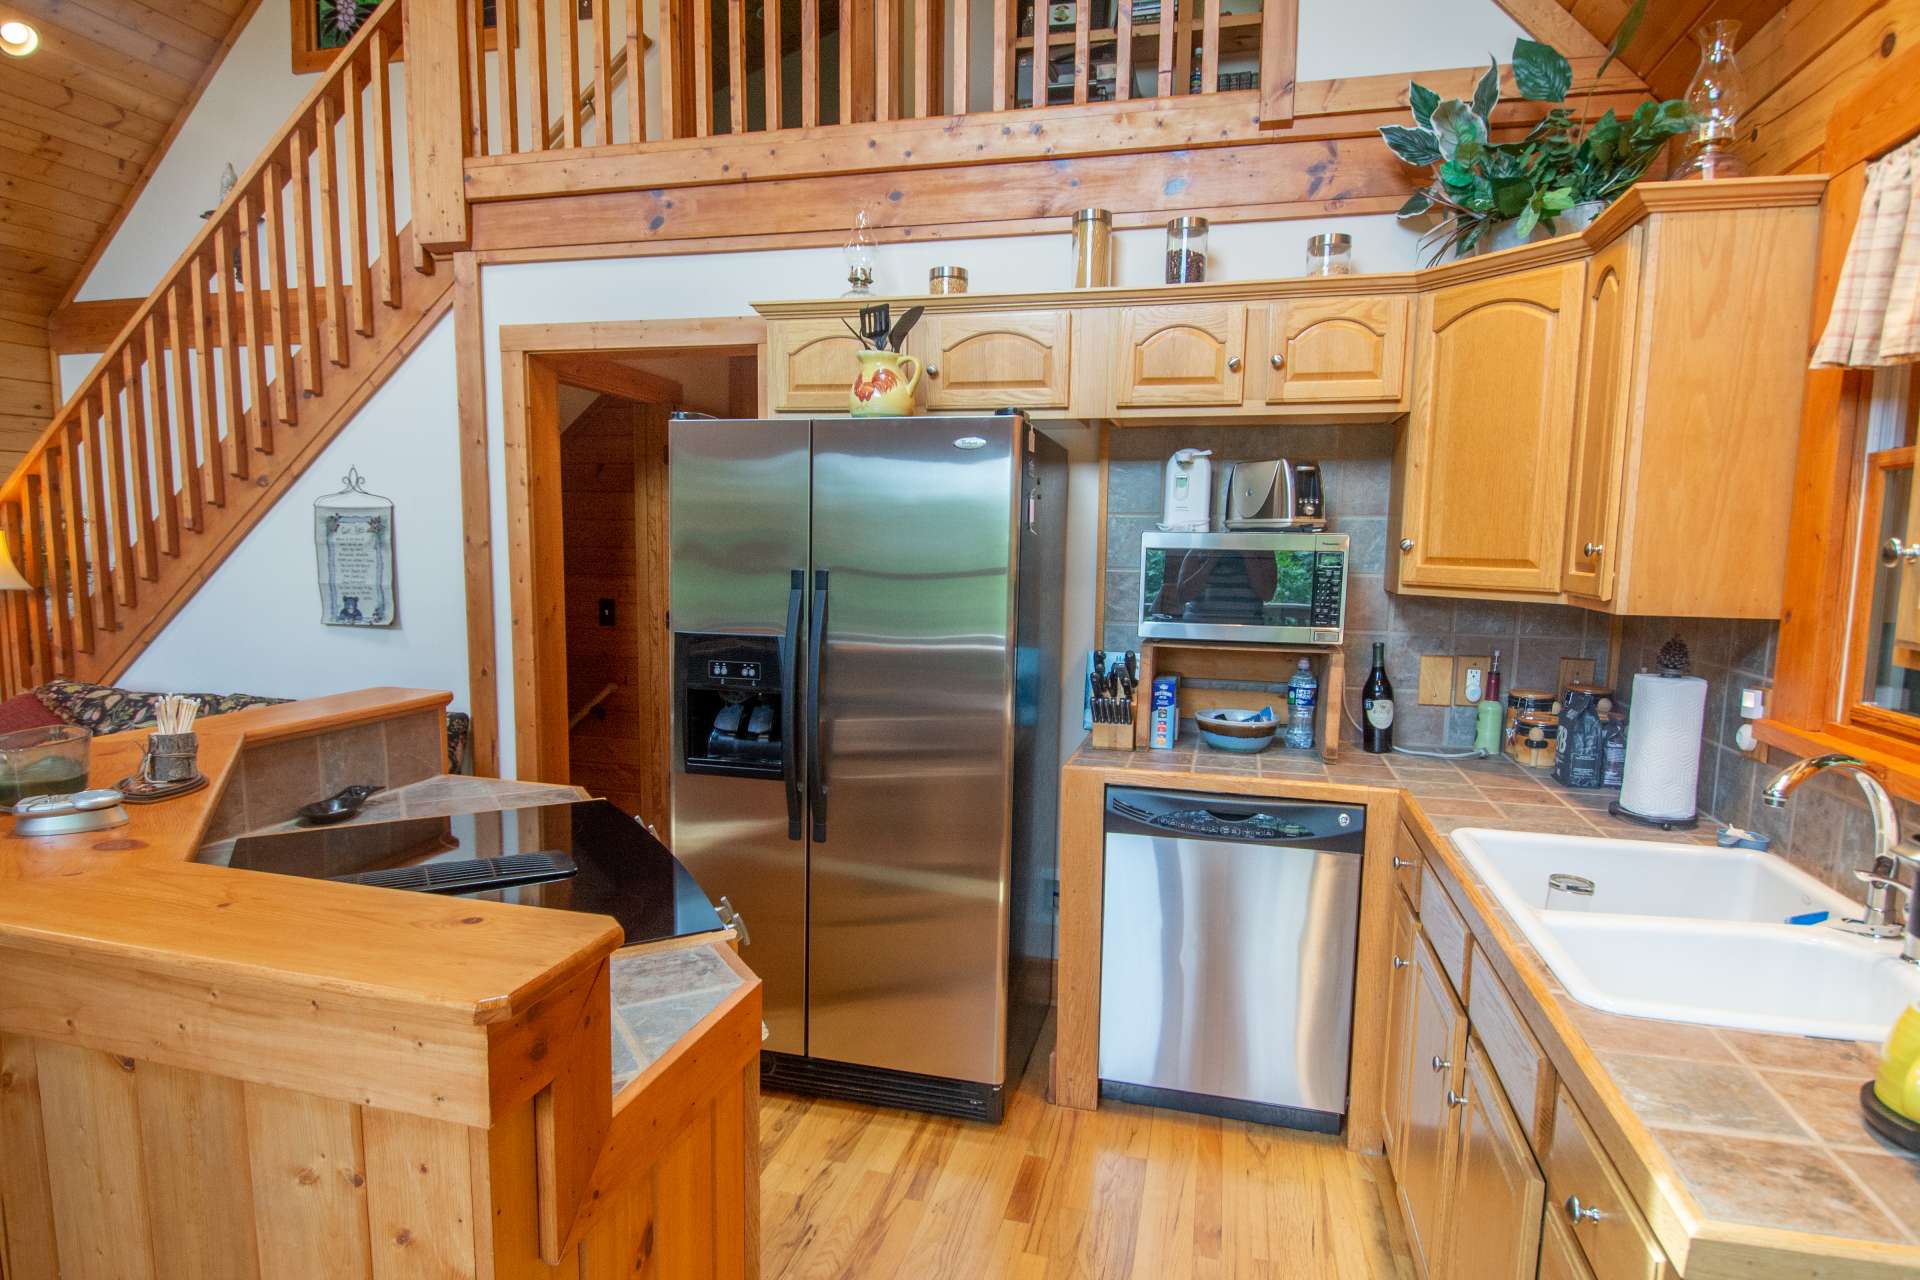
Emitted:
pixel 1663 746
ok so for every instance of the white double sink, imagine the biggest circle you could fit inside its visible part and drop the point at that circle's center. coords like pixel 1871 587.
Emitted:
pixel 1690 933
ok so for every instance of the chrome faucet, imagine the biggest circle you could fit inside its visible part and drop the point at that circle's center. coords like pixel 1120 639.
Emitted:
pixel 1890 855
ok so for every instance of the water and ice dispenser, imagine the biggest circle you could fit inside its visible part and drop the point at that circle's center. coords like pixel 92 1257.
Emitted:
pixel 729 692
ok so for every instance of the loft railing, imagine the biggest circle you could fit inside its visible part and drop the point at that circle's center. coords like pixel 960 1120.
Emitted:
pixel 189 403
pixel 537 71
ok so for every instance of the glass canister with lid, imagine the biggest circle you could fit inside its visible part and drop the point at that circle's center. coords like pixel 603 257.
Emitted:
pixel 1092 249
pixel 1187 250
pixel 1330 254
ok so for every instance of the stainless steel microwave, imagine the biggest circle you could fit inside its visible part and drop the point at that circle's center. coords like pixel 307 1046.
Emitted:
pixel 1272 588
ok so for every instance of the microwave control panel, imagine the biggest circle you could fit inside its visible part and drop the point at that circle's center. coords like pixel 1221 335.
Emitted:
pixel 1329 593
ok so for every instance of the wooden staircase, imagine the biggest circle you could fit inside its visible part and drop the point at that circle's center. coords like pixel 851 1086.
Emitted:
pixel 296 301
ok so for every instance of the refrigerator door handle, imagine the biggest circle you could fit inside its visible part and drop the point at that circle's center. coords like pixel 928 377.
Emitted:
pixel 817 657
pixel 789 710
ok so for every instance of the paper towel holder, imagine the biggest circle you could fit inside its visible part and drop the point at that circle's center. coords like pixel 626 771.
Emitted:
pixel 1673 661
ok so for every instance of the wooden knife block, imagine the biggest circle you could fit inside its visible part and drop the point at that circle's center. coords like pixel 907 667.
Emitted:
pixel 1113 737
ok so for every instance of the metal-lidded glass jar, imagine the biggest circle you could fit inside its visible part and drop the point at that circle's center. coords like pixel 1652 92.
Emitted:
pixel 947 280
pixel 1187 250
pixel 1092 249
pixel 1330 254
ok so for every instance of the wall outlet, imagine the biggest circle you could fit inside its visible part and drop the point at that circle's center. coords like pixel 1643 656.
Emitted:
pixel 1574 671
pixel 1470 679
pixel 1436 680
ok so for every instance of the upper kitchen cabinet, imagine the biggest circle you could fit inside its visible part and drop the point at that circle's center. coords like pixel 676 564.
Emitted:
pixel 812 364
pixel 1683 461
pixel 1188 356
pixel 1337 350
pixel 990 359
pixel 1481 471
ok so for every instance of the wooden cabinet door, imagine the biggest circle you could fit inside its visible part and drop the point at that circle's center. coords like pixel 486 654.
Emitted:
pixel 1609 314
pixel 1496 1191
pixel 985 360
pixel 1485 461
pixel 813 363
pixel 1186 355
pixel 1336 350
pixel 1393 1088
pixel 1436 1046
pixel 1559 1255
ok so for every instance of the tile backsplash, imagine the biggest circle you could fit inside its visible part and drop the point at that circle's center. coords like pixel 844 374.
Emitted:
pixel 1356 462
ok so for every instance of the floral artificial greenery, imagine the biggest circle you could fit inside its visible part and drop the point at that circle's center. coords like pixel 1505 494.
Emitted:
pixel 339 19
pixel 1479 183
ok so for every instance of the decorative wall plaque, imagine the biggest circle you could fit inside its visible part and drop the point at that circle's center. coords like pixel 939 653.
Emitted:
pixel 353 544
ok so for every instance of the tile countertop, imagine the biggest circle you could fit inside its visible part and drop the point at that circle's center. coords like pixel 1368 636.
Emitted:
pixel 1762 1131
pixel 659 996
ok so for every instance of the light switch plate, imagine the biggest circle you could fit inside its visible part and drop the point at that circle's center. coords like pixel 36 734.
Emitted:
pixel 1436 680
pixel 1464 667
pixel 1574 671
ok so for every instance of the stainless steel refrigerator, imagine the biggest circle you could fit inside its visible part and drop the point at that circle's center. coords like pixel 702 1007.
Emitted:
pixel 866 618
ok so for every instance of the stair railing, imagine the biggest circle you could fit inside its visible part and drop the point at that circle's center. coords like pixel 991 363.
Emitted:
pixel 278 289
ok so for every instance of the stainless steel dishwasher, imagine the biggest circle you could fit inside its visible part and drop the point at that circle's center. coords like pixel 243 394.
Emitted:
pixel 1227 953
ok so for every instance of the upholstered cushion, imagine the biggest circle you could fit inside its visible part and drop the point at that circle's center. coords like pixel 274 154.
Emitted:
pixel 105 709
pixel 24 711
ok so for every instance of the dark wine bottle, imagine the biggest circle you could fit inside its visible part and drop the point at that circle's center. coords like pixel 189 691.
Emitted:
pixel 1376 706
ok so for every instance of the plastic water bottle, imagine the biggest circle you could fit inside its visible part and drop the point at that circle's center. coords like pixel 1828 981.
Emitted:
pixel 1302 692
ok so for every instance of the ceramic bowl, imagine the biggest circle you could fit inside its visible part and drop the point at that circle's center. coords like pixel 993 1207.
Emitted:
pixel 1232 729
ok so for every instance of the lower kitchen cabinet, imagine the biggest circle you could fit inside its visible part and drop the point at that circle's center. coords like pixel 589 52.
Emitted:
pixel 1393 1089
pixel 1559 1254
pixel 1492 1227
pixel 1436 1050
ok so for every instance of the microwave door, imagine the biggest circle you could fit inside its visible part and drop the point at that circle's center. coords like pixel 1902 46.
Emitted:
pixel 738 518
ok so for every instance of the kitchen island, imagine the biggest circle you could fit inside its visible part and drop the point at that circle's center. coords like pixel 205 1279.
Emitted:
pixel 1658 1149
pixel 218 1072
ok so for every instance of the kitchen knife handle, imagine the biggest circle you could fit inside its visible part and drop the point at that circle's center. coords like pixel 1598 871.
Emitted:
pixel 816 648
pixel 789 697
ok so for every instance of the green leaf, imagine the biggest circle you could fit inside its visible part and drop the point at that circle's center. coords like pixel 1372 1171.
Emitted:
pixel 1558 200
pixel 1455 124
pixel 1486 94
pixel 1417 203
pixel 1542 74
pixel 1629 27
pixel 1415 146
pixel 1423 100
pixel 1455 174
pixel 1511 195
pixel 1524 224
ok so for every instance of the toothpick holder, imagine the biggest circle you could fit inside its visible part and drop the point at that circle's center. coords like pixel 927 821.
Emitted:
pixel 171 757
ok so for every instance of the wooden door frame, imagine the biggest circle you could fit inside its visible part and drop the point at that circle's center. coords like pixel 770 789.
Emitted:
pixel 534 360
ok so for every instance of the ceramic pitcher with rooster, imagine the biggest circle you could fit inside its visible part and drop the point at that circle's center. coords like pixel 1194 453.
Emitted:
pixel 885 385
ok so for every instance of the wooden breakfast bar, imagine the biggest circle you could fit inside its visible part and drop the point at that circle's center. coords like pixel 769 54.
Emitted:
pixel 214 1072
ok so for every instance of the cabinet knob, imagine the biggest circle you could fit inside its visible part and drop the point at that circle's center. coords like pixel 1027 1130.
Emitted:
pixel 1398 963
pixel 1406 544
pixel 1895 553
pixel 1277 360
pixel 1593 549
pixel 1578 1213
pixel 1233 364
pixel 933 371
pixel 1456 1099
pixel 1441 1064
pixel 1400 863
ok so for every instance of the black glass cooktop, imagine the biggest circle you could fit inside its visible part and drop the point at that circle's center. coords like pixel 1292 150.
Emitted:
pixel 585 856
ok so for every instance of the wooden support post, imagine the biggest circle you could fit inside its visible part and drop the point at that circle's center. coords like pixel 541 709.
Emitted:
pixel 1279 50
pixel 436 43
pixel 470 392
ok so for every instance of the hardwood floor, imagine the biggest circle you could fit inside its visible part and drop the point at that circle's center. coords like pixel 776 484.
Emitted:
pixel 854 1192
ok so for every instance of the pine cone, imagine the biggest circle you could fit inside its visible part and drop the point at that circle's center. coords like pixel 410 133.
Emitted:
pixel 1673 658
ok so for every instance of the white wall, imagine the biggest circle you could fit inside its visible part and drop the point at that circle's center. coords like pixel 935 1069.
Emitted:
pixel 255 626
pixel 1342 38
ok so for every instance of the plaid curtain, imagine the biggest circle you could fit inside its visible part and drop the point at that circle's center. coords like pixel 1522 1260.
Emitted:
pixel 1876 306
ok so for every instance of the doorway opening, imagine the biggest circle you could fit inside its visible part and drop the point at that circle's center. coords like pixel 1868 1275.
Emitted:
pixel 586 436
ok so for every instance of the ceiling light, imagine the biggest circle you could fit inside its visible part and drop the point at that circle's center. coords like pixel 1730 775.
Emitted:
pixel 18 39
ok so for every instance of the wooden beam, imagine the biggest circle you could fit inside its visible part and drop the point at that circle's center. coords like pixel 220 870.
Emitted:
pixel 476 511
pixel 1548 22
pixel 1322 109
pixel 611 378
pixel 437 140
